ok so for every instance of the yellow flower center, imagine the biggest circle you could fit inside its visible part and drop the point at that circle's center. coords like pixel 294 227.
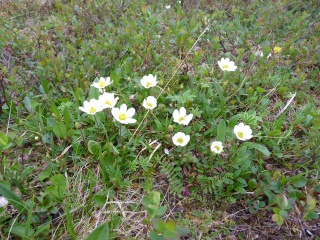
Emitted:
pixel 101 84
pixel 150 104
pixel 108 103
pixel 92 110
pixel 181 119
pixel 225 66
pixel 148 84
pixel 240 134
pixel 180 140
pixel 217 147
pixel 122 116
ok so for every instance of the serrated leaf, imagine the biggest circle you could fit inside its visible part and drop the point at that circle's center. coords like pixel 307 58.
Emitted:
pixel 101 232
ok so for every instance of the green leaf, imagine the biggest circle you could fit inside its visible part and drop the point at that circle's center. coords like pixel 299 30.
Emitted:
pixel 59 129
pixel 258 147
pixel 220 93
pixel 55 110
pixel 44 174
pixel 277 218
pixel 146 201
pixel 101 232
pixel 3 140
pixel 172 235
pixel 182 231
pixel 99 199
pixel 20 230
pixel 252 183
pixel 310 215
pixel 160 211
pixel 221 132
pixel 59 182
pixel 154 236
pixel 158 224
pixel 43 227
pixel 94 147
pixel 299 181
pixel 171 225
pixel 156 197
pixel 66 116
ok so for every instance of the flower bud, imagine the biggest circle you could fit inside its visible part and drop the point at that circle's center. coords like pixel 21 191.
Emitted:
pixel 78 125
pixel 170 128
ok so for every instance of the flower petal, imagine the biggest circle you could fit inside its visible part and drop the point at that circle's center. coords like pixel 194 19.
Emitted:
pixel 131 112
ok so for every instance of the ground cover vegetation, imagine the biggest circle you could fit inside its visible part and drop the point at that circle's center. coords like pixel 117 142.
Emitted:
pixel 159 120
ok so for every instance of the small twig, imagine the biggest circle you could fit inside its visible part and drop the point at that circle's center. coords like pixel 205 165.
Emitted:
pixel 286 106
pixel 299 221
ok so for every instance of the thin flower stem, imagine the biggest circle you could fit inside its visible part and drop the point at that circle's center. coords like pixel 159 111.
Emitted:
pixel 111 121
pixel 120 137
pixel 97 123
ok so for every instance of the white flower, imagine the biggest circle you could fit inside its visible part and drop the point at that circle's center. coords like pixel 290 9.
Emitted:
pixel 149 103
pixel 107 100
pixel 243 132
pixel 226 65
pixel 260 53
pixel 91 107
pixel 102 83
pixel 149 81
pixel 216 147
pixel 181 116
pixel 180 139
pixel 168 6
pixel 3 202
pixel 123 114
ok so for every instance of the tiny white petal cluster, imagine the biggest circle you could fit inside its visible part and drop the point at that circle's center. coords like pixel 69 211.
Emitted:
pixel 181 116
pixel 168 6
pixel 216 147
pixel 226 65
pixel 107 100
pixel 102 83
pixel 149 81
pixel 91 107
pixel 149 103
pixel 123 114
pixel 243 132
pixel 3 202
pixel 180 139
